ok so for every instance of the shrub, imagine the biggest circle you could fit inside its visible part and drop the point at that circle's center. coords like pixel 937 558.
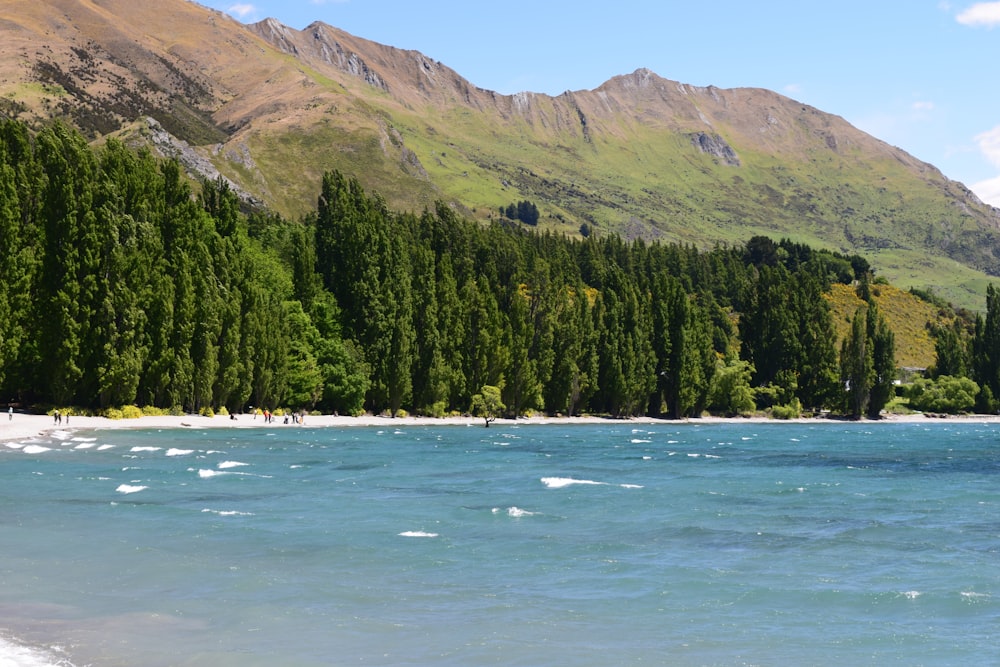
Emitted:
pixel 944 394
pixel 791 410
pixel 131 412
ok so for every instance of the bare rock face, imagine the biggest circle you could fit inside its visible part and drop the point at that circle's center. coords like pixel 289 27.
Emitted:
pixel 714 145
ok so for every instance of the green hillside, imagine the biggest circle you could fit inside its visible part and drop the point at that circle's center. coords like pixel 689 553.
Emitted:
pixel 273 108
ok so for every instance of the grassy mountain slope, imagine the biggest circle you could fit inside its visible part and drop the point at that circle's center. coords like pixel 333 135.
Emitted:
pixel 273 108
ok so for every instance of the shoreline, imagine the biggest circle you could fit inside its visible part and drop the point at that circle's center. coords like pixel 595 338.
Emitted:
pixel 26 427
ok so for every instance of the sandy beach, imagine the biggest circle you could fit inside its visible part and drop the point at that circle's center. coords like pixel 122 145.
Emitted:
pixel 26 427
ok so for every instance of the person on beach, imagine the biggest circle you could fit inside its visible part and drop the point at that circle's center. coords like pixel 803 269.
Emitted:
pixel 10 413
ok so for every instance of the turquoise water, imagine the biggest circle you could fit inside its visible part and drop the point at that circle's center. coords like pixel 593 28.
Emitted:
pixel 617 544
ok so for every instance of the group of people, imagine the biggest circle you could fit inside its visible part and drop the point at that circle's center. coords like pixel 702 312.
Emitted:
pixel 296 417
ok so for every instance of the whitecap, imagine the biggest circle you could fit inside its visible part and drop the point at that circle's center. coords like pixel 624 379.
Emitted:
pixel 231 464
pixel 14 445
pixel 85 445
pixel 211 473
pixel 973 595
pixel 129 488
pixel 631 486
pixel 417 533
pixel 36 449
pixel 227 512
pixel 173 451
pixel 104 447
pixel 638 441
pixel 517 512
pixel 145 449
pixel 561 482
pixel 911 595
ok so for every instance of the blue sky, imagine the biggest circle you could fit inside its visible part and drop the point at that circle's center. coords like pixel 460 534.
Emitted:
pixel 923 75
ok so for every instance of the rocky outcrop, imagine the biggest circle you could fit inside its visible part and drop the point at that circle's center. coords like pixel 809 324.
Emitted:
pixel 716 146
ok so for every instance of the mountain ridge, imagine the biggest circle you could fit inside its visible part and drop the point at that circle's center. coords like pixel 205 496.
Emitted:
pixel 640 155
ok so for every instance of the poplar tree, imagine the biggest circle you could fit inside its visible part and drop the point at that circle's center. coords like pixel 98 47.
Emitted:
pixel 857 365
pixel 883 344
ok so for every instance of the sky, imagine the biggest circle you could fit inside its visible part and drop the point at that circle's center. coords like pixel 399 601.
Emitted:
pixel 923 75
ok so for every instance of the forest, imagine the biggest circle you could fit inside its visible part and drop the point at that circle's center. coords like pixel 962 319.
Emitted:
pixel 125 284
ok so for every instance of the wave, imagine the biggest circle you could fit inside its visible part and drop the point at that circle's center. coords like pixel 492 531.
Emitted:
pixel 563 482
pixel 227 512
pixel 16 655
pixel 129 488
pixel 204 474
pixel 173 451
pixel 35 449
pixel 417 533
pixel 231 464
pixel 145 449
pixel 515 512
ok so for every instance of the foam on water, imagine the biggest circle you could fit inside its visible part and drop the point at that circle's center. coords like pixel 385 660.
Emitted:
pixel 35 449
pixel 515 512
pixel 417 533
pixel 563 482
pixel 173 451
pixel 16 655
pixel 225 465
pixel 130 488
pixel 145 449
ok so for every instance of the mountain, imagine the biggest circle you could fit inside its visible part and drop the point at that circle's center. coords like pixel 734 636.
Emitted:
pixel 271 108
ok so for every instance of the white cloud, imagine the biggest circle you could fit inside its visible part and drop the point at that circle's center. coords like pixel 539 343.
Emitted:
pixel 981 14
pixel 989 145
pixel 242 10
pixel 988 191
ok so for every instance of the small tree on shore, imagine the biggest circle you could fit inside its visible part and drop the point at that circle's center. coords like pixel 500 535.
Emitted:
pixel 487 403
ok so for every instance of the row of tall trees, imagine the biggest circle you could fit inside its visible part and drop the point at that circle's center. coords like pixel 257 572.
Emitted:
pixel 966 375
pixel 122 286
